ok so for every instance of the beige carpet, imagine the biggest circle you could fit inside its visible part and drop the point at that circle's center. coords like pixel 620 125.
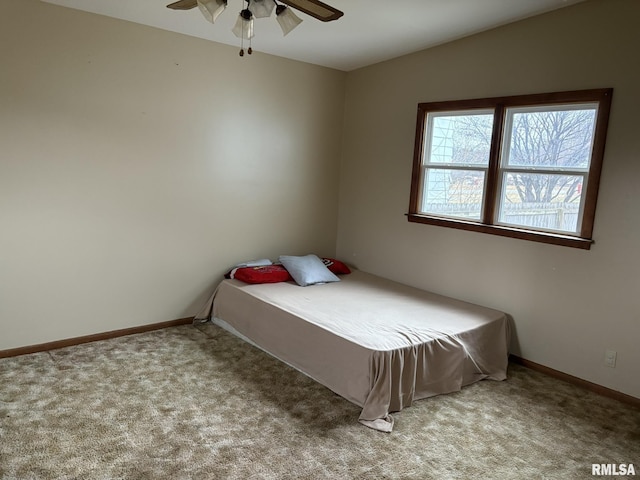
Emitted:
pixel 197 403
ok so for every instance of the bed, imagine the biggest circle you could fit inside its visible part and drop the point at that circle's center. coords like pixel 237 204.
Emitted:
pixel 377 343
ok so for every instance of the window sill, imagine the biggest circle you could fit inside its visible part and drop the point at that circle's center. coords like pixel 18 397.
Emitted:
pixel 532 235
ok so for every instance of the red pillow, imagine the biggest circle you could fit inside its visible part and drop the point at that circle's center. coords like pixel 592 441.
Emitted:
pixel 336 266
pixel 261 274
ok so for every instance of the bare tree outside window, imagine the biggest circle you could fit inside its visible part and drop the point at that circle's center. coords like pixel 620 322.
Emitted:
pixel 544 164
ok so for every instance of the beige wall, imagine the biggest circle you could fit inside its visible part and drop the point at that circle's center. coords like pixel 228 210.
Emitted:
pixel 136 165
pixel 569 305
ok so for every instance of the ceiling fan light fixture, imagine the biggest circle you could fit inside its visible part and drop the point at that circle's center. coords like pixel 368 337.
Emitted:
pixel 262 8
pixel 243 28
pixel 244 25
pixel 211 9
pixel 287 19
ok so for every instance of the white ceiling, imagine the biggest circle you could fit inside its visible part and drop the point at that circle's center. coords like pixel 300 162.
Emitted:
pixel 369 32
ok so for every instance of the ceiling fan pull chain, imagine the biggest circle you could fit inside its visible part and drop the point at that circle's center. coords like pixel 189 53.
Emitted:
pixel 245 22
pixel 242 42
pixel 249 50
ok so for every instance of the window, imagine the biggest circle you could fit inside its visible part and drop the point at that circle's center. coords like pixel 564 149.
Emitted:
pixel 525 167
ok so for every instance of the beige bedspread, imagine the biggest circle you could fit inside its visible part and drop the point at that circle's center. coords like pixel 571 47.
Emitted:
pixel 377 343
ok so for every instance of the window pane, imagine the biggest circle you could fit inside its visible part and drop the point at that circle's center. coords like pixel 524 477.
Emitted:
pixel 541 202
pixel 459 138
pixel 453 193
pixel 548 137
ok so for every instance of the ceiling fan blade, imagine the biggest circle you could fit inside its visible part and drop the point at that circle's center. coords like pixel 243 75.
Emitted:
pixel 315 8
pixel 183 5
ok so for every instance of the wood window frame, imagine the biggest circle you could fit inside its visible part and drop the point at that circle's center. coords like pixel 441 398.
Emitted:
pixel 500 105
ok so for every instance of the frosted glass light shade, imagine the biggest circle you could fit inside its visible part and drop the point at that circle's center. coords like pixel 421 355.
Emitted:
pixel 262 8
pixel 244 26
pixel 211 9
pixel 287 19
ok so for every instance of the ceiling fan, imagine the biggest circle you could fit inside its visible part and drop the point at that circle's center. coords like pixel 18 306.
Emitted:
pixel 315 8
pixel 243 29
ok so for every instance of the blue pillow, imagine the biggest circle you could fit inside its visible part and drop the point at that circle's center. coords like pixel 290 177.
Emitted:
pixel 307 269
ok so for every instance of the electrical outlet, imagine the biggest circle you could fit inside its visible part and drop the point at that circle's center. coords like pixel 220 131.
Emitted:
pixel 610 358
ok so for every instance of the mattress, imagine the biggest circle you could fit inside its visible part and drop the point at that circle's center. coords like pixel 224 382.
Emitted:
pixel 377 343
